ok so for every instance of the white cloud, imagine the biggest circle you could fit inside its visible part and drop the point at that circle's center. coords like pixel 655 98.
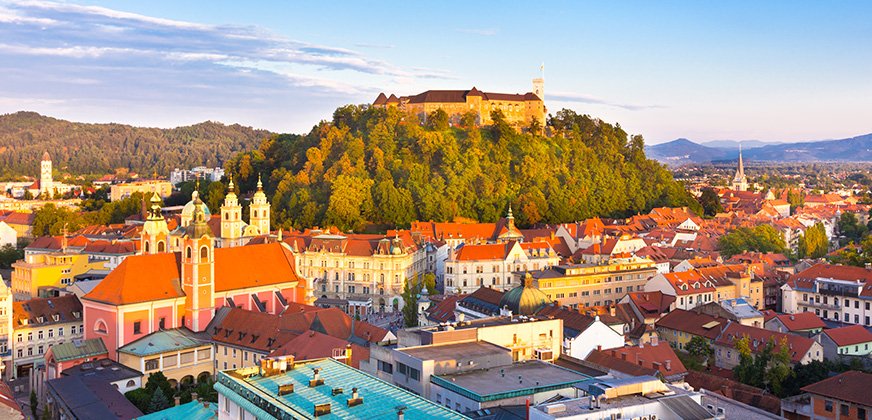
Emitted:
pixel 590 99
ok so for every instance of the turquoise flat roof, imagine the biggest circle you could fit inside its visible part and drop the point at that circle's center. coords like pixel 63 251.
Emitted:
pixel 163 341
pixel 380 399
pixel 191 411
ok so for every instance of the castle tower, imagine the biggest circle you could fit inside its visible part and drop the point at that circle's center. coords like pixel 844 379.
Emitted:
pixel 539 87
pixel 155 233
pixel 45 182
pixel 198 271
pixel 740 181
pixel 231 218
pixel 259 211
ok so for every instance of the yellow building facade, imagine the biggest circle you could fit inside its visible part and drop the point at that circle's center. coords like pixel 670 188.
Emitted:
pixel 38 271
pixel 518 109
pixel 178 353
pixel 119 191
pixel 584 285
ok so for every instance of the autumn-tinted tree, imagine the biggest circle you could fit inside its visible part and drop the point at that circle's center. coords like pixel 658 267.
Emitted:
pixel 813 243
pixel 382 166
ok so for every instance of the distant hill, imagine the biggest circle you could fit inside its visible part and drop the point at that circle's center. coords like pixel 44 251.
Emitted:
pixel 81 148
pixel 683 151
pixel 734 144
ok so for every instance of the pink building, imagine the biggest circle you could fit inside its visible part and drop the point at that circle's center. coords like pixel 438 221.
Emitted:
pixel 164 290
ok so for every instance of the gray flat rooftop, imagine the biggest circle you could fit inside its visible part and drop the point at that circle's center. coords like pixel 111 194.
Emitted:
pixel 466 349
pixel 583 405
pixel 533 374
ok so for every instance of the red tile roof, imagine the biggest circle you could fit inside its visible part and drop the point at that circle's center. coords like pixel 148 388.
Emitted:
pixel 851 386
pixel 483 252
pixel 758 337
pixel 800 321
pixel 660 357
pixel 41 311
pixel 144 278
pixel 805 278
pixel 315 345
pixel 691 322
pixel 689 282
pixel 850 335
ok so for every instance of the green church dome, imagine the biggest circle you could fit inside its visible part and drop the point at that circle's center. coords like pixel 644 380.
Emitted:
pixel 525 299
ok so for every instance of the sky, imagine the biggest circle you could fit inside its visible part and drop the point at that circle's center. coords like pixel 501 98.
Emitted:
pixel 772 71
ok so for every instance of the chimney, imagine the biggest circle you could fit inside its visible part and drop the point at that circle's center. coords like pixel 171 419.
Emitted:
pixel 668 364
pixel 655 340
pixel 348 355
pixel 599 347
pixel 400 415
pixel 612 310
pixel 178 400
pixel 194 396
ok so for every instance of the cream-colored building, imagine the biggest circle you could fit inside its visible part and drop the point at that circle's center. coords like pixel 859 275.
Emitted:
pixel 120 191
pixel 368 270
pixel 584 285
pixel 181 355
pixel 493 265
pixel 39 324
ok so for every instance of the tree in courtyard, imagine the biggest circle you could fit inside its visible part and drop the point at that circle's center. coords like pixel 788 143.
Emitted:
pixel 700 348
pixel 814 243
pixel 159 401
pixel 711 203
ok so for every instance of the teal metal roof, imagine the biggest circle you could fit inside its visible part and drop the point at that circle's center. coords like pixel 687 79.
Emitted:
pixel 78 349
pixel 163 341
pixel 191 411
pixel 259 395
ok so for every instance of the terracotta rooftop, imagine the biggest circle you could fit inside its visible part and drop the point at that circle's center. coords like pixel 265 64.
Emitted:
pixel 758 337
pixel 144 278
pixel 694 323
pixel 46 311
pixel 849 336
pixel 800 321
pixel 851 386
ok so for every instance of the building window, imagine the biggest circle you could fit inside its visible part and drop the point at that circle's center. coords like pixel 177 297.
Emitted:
pixel 61 332
pixel 828 406
pixel 51 333
pixel 40 349
pixel 843 409
pixel 861 413
pixel 29 336
pixel 162 323
pixel 151 364
pixel 137 327
pixel 19 338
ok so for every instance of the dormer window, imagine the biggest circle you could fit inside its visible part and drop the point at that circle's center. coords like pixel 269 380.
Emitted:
pixel 77 314
pixel 40 319
pixel 56 317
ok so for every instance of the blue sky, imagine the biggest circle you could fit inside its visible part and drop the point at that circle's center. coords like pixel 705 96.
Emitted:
pixel 775 70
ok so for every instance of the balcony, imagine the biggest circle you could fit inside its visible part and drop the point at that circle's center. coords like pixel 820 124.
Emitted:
pixel 821 305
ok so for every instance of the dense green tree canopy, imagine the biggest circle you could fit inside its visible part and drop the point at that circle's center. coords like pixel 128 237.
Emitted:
pixel 381 166
pixel 814 243
pixel 762 238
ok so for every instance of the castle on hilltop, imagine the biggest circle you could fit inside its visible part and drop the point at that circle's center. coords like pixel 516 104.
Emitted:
pixel 519 109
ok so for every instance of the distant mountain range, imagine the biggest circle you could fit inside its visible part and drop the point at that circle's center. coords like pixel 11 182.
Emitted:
pixel 683 151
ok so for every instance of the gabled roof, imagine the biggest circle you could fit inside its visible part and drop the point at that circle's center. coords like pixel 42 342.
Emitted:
pixel 77 349
pixel 651 304
pixel 659 358
pixel 485 300
pixel 800 321
pixel 694 323
pixel 849 336
pixel 689 282
pixel 851 386
pixel 483 252
pixel 41 311
pixel 805 278
pixel 315 345
pixel 164 341
pixel 758 337
pixel 149 277
pixel 574 321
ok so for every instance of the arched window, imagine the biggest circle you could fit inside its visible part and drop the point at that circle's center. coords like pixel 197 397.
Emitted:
pixel 161 246
pixel 188 253
pixel 146 247
pixel 101 327
pixel 131 383
pixel 255 213
pixel 204 253
pixel 226 216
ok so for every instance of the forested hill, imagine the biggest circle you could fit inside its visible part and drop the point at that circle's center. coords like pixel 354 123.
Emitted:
pixel 80 148
pixel 369 165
